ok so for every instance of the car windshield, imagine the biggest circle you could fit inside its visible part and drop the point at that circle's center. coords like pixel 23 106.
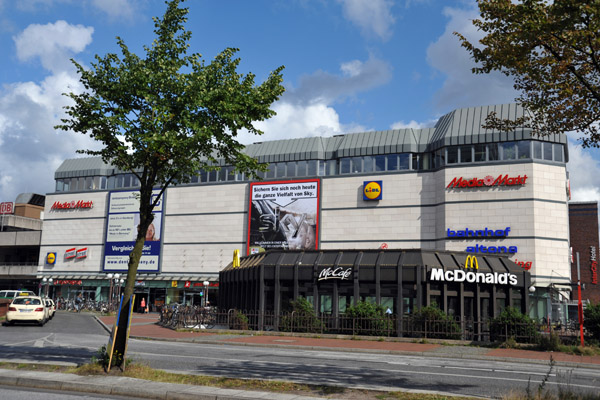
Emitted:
pixel 26 301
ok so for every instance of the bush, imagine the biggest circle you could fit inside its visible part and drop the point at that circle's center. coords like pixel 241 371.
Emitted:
pixel 301 319
pixel 511 323
pixel 433 323
pixel 369 319
pixel 591 320
pixel 239 321
pixel 550 342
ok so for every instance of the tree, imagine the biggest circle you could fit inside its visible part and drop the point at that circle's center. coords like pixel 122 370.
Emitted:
pixel 166 116
pixel 552 49
pixel 591 320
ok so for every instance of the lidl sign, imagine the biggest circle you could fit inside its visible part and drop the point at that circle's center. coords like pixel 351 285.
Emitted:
pixel 51 258
pixel 372 190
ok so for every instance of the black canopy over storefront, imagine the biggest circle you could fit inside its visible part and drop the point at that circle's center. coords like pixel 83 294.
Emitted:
pixel 461 284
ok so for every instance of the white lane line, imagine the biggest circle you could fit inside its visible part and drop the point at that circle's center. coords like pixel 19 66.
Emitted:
pixel 39 343
pixel 468 376
pixel 497 370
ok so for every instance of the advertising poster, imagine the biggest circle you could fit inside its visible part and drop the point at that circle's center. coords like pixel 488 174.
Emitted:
pixel 283 215
pixel 121 230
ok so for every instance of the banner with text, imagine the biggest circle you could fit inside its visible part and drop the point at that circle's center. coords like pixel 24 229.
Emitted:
pixel 283 215
pixel 121 230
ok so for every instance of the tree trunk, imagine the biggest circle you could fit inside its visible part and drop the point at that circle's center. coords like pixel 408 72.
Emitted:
pixel 146 218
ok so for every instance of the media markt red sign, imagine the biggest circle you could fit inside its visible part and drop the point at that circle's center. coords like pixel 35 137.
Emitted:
pixel 501 180
pixel 71 205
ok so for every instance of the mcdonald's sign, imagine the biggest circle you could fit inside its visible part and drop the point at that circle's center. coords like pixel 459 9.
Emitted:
pixel 471 262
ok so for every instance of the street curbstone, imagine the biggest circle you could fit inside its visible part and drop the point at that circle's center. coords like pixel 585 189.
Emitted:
pixel 189 394
pixel 87 387
pixel 8 380
pixel 39 383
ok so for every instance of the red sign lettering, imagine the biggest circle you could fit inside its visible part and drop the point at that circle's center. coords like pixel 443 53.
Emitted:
pixel 6 207
pixel 71 205
pixel 487 181
pixel 66 282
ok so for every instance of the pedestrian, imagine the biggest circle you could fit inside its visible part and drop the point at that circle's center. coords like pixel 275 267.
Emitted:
pixel 143 305
pixel 78 302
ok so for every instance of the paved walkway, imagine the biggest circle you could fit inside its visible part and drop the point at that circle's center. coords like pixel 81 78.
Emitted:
pixel 144 326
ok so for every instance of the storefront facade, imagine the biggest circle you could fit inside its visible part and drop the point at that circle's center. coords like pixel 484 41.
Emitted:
pixel 467 287
pixel 455 187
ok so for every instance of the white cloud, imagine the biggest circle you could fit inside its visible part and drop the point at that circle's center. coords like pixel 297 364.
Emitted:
pixel 308 110
pixel 357 76
pixel 115 8
pixel 414 124
pixel 52 43
pixel 30 148
pixel 462 88
pixel 584 173
pixel 373 17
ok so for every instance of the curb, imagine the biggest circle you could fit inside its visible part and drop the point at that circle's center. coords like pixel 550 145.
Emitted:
pixel 123 386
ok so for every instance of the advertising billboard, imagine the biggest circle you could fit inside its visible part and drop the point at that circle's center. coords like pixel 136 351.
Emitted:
pixel 283 215
pixel 121 230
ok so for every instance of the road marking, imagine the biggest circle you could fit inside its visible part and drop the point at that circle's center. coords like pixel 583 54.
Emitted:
pixel 498 370
pixel 469 376
pixel 39 343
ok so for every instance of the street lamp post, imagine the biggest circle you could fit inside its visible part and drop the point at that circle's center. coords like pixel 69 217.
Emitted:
pixel 206 283
pixel 110 291
pixel 47 283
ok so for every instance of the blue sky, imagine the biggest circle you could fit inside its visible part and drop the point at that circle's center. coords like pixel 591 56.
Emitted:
pixel 350 66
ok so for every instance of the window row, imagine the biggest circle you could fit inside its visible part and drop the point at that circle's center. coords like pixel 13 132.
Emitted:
pixel 506 151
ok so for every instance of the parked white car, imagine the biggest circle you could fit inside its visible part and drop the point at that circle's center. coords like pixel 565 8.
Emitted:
pixel 27 309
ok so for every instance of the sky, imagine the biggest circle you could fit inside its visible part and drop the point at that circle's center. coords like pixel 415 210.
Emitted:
pixel 350 66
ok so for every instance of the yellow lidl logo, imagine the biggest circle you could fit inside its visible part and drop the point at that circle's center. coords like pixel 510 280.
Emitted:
pixel 51 258
pixel 372 190
pixel 471 262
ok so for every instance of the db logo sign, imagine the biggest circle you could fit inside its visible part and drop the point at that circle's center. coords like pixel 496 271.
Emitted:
pixel 6 208
pixel 471 262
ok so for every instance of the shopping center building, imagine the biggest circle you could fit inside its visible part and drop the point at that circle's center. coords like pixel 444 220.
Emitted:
pixel 455 187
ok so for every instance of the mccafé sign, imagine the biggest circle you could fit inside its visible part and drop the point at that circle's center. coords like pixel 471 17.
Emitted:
pixel 487 181
pixel 335 273
pixel 71 205
pixel 459 275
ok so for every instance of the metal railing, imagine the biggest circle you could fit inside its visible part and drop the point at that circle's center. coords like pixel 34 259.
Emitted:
pixel 387 325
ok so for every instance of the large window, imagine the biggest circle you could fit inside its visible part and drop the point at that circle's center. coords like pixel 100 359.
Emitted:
pixel 509 150
pixel 369 164
pixel 452 155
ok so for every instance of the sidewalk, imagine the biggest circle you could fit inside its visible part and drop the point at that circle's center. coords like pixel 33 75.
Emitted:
pixel 144 326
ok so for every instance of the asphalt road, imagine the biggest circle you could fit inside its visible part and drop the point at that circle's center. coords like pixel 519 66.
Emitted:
pixel 76 338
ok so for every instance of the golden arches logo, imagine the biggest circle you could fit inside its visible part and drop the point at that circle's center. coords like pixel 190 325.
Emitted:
pixel 236 259
pixel 471 261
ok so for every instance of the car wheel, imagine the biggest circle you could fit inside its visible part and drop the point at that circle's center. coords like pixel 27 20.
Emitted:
pixel 10 323
pixel 42 322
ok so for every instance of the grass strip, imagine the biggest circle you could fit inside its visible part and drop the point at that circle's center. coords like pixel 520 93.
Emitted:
pixel 141 371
